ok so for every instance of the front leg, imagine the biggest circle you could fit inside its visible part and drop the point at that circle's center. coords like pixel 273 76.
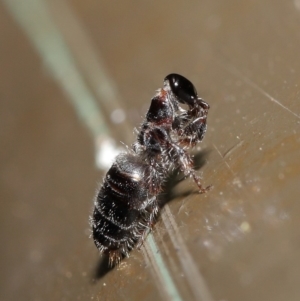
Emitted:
pixel 184 160
pixel 193 132
pixel 191 124
pixel 198 108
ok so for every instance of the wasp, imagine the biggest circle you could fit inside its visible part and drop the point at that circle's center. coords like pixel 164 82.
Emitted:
pixel 126 205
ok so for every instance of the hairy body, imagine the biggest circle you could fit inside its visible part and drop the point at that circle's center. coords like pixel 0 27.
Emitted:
pixel 126 205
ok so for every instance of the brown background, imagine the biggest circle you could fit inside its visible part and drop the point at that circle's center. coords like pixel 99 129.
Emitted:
pixel 241 240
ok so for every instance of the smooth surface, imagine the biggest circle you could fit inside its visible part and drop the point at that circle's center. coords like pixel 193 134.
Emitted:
pixel 241 240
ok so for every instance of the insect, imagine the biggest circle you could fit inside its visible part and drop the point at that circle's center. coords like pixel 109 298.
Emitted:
pixel 127 203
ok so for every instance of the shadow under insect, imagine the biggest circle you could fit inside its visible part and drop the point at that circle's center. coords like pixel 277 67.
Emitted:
pixel 103 267
pixel 177 177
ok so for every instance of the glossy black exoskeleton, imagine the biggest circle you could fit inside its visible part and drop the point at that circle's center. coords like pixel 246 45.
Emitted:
pixel 126 205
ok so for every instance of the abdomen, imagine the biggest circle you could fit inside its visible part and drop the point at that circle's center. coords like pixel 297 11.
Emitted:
pixel 123 207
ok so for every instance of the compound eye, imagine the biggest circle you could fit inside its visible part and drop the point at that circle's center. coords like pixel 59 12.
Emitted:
pixel 182 88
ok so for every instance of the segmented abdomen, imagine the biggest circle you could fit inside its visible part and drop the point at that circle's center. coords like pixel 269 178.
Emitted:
pixel 122 207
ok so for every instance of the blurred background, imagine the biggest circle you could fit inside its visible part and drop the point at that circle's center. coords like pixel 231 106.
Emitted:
pixel 78 76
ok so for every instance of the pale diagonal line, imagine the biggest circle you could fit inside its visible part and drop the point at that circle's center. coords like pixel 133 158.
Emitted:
pixel 195 279
pixel 161 269
pixel 37 22
pixel 34 18
pixel 248 81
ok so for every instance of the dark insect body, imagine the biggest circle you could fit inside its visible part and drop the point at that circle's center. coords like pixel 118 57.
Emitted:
pixel 126 205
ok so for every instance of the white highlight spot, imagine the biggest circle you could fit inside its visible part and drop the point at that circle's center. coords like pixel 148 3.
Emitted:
pixel 245 227
pixel 106 152
pixel 117 116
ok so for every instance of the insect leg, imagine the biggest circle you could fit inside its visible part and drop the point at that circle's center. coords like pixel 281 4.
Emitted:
pixel 185 162
pixel 193 132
